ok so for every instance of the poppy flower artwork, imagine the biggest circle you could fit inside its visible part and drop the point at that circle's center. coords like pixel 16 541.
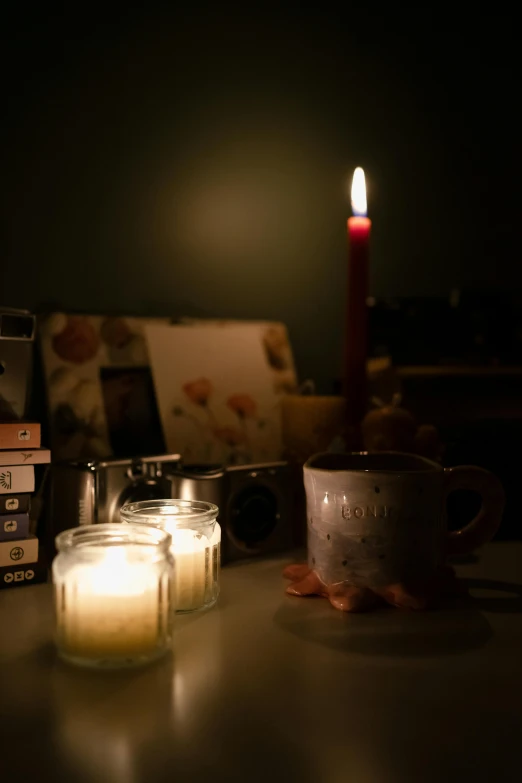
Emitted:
pixel 243 405
pixel 216 392
pixel 99 387
pixel 198 391
pixel 209 389
pixel 276 348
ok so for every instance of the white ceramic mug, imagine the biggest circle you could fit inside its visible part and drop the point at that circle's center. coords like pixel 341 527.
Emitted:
pixel 376 519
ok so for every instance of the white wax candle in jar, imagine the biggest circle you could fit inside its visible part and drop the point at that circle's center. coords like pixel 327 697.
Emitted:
pixel 196 546
pixel 113 594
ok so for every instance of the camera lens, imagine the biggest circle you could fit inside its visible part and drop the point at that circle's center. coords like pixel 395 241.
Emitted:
pixel 142 490
pixel 253 515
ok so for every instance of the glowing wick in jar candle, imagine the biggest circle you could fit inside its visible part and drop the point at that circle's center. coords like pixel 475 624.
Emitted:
pixel 115 608
pixel 112 594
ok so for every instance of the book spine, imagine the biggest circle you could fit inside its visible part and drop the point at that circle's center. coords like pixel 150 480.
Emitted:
pixel 15 526
pixel 18 576
pixel 16 478
pixel 25 457
pixel 15 504
pixel 19 551
pixel 19 435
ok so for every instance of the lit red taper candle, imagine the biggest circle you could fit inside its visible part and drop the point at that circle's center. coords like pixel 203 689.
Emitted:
pixel 356 337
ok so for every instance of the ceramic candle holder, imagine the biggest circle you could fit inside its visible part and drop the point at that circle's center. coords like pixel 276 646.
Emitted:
pixel 196 545
pixel 310 423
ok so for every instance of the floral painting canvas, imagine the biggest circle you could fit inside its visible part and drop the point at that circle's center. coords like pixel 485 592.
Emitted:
pixel 216 392
pixel 100 395
pixel 276 348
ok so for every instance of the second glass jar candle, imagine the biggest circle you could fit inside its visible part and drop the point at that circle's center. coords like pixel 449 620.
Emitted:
pixel 196 546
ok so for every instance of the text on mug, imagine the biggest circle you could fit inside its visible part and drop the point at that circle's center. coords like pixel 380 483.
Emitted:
pixel 358 512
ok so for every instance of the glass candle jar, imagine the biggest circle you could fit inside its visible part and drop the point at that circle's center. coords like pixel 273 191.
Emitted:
pixel 196 546
pixel 112 586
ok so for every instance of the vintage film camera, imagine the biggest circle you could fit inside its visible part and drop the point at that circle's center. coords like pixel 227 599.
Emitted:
pixel 17 328
pixel 254 500
pixel 92 492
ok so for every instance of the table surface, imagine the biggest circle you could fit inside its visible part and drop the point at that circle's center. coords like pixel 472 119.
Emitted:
pixel 266 686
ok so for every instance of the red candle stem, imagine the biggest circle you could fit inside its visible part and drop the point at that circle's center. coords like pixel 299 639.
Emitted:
pixel 356 337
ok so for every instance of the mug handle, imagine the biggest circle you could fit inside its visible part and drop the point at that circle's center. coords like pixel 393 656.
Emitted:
pixel 483 527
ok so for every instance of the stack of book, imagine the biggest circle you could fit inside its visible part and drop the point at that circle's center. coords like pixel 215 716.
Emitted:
pixel 20 451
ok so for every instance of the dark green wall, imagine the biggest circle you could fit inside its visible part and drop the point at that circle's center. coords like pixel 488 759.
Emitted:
pixel 199 164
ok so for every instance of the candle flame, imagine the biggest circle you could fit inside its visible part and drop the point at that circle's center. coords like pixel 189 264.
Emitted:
pixel 359 206
pixel 115 575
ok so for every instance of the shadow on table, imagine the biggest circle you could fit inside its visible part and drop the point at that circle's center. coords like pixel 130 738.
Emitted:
pixel 509 603
pixel 450 630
